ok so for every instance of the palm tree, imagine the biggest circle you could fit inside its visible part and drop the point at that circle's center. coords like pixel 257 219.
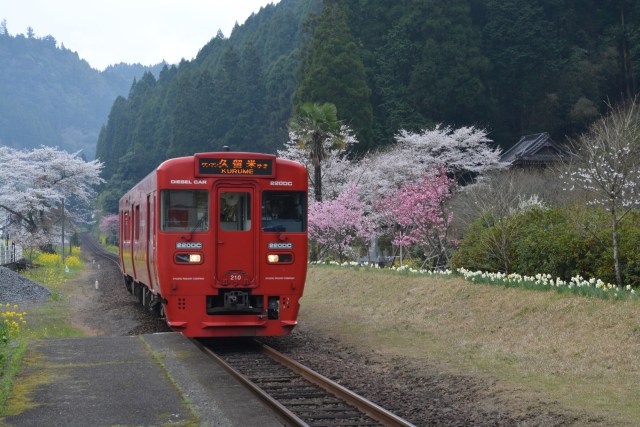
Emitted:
pixel 318 130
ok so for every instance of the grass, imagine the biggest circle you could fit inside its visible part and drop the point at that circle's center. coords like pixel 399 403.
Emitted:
pixel 582 352
pixel 50 320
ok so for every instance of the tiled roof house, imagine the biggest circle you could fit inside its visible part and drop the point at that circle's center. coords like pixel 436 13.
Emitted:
pixel 535 150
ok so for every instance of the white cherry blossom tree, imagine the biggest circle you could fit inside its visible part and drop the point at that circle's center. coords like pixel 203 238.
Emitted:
pixel 34 185
pixel 334 164
pixel 608 168
pixel 463 151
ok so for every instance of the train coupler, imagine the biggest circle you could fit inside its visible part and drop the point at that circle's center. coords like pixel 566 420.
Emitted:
pixel 273 308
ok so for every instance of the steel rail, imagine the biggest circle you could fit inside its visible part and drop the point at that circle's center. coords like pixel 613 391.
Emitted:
pixel 101 252
pixel 98 250
pixel 374 411
pixel 285 414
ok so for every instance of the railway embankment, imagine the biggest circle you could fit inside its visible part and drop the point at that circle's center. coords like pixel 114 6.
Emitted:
pixel 539 358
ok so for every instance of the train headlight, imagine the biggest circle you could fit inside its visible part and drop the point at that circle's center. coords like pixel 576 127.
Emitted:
pixel 189 258
pixel 279 258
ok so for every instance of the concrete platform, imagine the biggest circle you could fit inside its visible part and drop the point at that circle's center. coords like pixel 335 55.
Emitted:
pixel 147 380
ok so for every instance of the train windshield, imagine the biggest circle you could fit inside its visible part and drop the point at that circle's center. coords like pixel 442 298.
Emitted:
pixel 284 211
pixel 235 210
pixel 184 210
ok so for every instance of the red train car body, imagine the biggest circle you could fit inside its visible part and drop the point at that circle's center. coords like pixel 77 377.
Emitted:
pixel 217 243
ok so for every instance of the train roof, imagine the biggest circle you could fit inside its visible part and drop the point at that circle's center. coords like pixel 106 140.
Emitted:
pixel 196 161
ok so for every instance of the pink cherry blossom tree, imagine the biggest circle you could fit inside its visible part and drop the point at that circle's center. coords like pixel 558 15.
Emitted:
pixel 337 226
pixel 109 226
pixel 404 166
pixel 417 217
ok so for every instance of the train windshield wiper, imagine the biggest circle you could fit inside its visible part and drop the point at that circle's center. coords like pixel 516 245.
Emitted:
pixel 198 225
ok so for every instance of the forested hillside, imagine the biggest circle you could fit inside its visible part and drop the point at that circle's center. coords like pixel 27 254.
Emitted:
pixel 236 92
pixel 512 67
pixel 49 96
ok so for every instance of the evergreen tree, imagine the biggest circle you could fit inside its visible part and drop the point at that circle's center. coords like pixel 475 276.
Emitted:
pixel 447 82
pixel 226 102
pixel 184 118
pixel 332 71
pixel 392 78
pixel 115 138
pixel 521 41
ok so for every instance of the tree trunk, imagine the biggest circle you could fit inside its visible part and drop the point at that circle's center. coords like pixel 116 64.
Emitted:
pixel 317 177
pixel 62 231
pixel 614 232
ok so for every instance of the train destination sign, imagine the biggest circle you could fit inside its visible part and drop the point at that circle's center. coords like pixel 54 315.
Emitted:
pixel 236 167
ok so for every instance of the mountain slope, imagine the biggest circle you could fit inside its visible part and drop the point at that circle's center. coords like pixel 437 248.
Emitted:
pixel 49 96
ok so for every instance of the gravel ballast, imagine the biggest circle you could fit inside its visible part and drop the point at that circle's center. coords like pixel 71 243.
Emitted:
pixel 16 289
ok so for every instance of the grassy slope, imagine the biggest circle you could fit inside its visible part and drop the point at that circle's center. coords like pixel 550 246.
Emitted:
pixel 579 351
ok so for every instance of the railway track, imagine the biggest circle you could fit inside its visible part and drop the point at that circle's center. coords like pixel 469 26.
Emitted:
pixel 93 247
pixel 300 396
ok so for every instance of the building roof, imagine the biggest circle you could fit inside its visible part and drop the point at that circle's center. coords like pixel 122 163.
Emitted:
pixel 537 148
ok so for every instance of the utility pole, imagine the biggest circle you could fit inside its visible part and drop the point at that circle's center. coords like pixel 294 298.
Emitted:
pixel 63 263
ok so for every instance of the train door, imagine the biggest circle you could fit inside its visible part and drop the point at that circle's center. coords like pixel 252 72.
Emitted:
pixel 135 230
pixel 149 242
pixel 235 263
pixel 153 225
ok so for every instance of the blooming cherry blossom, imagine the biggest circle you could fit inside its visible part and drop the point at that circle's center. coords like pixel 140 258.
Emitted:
pixel 109 226
pixel 33 185
pixel 334 164
pixel 416 215
pixel 464 151
pixel 336 225
pixel 608 169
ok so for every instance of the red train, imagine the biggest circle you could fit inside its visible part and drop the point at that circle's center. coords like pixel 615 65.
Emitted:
pixel 217 243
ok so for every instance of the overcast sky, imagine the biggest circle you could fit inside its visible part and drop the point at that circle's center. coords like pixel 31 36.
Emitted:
pixel 106 32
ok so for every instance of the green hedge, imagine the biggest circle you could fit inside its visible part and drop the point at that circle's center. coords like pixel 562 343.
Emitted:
pixel 557 241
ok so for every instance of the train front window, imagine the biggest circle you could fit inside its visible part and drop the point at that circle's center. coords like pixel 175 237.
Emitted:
pixel 284 211
pixel 184 210
pixel 235 211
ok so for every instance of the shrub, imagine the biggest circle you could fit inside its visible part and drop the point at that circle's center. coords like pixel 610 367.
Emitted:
pixel 562 242
pixel 49 260
pixel 473 252
pixel 548 243
pixel 10 321
pixel 72 262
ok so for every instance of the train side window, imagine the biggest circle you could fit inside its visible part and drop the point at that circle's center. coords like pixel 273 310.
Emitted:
pixel 284 211
pixel 184 210
pixel 126 228
pixel 235 211
pixel 136 223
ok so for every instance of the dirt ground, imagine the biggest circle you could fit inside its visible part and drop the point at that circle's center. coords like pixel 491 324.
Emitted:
pixel 100 304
